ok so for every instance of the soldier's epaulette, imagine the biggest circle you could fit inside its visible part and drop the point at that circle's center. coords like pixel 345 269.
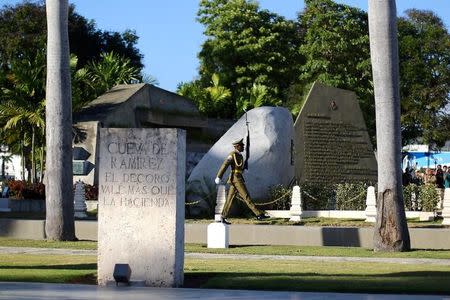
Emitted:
pixel 230 156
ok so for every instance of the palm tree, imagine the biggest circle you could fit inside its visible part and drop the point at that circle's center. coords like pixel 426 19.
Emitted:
pixel 59 223
pixel 6 158
pixel 391 230
pixel 27 118
pixel 99 76
pixel 218 94
pixel 259 96
pixel 22 109
pixel 83 89
pixel 110 70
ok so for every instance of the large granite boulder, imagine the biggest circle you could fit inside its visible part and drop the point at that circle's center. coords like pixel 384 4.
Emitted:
pixel 270 163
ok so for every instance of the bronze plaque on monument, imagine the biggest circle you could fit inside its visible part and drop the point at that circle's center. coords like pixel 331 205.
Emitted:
pixel 79 167
pixel 331 140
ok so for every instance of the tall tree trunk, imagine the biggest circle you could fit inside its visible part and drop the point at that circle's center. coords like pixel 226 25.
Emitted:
pixel 22 154
pixel 391 230
pixel 41 154
pixel 59 223
pixel 3 167
pixel 33 155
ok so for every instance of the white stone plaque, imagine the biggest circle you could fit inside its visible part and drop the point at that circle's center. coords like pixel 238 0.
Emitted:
pixel 141 204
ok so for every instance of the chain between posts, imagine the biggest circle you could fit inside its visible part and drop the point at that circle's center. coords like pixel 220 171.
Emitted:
pixel 270 202
pixel 198 201
pixel 273 201
pixel 259 204
pixel 314 198
pixel 193 203
pixel 349 200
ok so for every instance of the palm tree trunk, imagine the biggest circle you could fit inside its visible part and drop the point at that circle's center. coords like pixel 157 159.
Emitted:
pixel 22 154
pixel 59 223
pixel 391 231
pixel 3 168
pixel 41 176
pixel 33 156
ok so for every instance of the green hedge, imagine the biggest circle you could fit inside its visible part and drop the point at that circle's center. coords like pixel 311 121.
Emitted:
pixel 316 196
pixel 351 196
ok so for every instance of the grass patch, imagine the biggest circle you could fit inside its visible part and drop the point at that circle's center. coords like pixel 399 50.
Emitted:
pixel 318 276
pixel 91 215
pixel 48 268
pixel 245 249
pixel 253 274
pixel 324 222
pixel 318 251
pixel 82 245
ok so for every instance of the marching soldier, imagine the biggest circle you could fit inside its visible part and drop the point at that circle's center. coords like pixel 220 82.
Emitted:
pixel 236 181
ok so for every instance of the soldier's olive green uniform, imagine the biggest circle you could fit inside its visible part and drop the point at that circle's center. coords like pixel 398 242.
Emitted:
pixel 237 183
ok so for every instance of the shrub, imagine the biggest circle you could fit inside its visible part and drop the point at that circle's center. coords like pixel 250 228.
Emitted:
pixel 20 189
pixel 351 196
pixel 411 196
pixel 91 192
pixel 283 196
pixel 429 197
pixel 34 191
pixel 16 188
pixel 317 196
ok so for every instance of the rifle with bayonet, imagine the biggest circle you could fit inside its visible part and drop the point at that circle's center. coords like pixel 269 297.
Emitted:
pixel 247 143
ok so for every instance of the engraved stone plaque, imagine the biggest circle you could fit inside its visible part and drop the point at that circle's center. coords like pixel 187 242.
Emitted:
pixel 331 140
pixel 141 204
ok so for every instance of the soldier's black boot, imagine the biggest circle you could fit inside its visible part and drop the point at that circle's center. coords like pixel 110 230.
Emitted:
pixel 225 221
pixel 262 217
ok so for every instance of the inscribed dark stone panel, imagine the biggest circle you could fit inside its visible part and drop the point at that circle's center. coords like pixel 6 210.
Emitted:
pixel 331 140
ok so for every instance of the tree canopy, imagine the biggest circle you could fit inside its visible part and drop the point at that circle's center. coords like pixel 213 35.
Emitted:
pixel 23 72
pixel 23 29
pixel 256 51
pixel 336 48
pixel 247 45
pixel 425 77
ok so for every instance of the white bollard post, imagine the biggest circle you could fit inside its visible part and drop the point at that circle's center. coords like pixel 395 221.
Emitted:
pixel 446 209
pixel 296 211
pixel 371 205
pixel 80 200
pixel 414 201
pixel 220 202
pixel 218 232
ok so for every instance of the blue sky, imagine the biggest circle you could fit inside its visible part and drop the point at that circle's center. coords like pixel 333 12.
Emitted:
pixel 170 37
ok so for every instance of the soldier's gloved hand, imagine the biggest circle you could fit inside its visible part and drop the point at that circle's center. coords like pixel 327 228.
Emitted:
pixel 217 181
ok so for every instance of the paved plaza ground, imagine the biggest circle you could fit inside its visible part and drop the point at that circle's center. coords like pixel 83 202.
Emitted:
pixel 428 261
pixel 44 291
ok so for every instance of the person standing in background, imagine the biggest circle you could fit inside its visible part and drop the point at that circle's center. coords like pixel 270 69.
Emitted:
pixel 446 171
pixel 439 177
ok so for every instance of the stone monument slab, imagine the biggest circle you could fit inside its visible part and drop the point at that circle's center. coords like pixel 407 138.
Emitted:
pixel 331 140
pixel 141 204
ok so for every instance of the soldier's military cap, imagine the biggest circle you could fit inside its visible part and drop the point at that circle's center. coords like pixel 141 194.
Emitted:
pixel 238 142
